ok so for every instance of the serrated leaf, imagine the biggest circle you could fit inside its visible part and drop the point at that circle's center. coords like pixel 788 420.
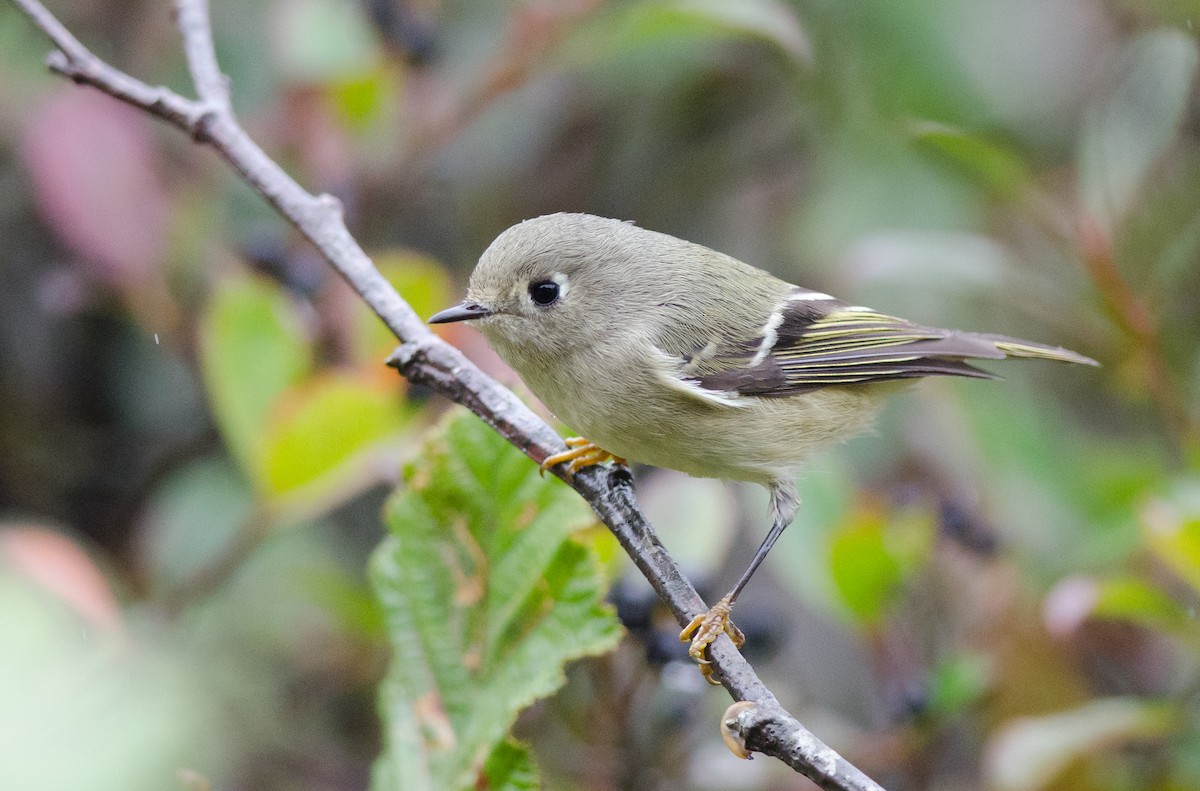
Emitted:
pixel 252 349
pixel 510 767
pixel 1127 134
pixel 322 434
pixel 486 596
pixel 1030 752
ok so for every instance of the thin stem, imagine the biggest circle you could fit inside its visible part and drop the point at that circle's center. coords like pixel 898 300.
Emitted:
pixel 425 358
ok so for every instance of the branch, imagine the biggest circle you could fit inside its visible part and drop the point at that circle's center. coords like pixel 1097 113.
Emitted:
pixel 423 357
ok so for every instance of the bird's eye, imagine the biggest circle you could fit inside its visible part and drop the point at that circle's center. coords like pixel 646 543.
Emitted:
pixel 544 292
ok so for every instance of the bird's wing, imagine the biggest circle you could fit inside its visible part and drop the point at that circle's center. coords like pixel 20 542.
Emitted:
pixel 809 343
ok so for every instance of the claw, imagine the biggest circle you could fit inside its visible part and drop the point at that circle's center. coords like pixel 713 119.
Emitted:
pixel 580 453
pixel 707 627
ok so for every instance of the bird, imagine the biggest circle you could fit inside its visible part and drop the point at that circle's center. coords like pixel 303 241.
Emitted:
pixel 664 352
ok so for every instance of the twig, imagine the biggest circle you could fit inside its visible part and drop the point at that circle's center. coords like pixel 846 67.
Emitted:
pixel 425 358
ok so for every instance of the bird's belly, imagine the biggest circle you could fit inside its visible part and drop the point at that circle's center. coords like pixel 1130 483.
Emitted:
pixel 766 439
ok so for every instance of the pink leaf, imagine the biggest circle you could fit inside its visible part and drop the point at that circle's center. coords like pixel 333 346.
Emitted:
pixel 95 174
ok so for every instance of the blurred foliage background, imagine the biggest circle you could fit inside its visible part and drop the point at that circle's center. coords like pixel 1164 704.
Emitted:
pixel 197 434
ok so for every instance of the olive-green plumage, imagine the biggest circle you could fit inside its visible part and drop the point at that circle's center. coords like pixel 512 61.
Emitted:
pixel 671 354
pixel 650 348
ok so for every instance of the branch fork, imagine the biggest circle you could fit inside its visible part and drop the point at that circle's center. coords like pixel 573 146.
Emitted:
pixel 761 724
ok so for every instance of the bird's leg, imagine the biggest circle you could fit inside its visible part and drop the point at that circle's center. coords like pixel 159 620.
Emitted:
pixel 580 453
pixel 708 626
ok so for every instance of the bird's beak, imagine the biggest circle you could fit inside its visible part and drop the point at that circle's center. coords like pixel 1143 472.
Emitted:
pixel 463 311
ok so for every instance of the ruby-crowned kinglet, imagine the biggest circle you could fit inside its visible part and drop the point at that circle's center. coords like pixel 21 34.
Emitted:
pixel 667 353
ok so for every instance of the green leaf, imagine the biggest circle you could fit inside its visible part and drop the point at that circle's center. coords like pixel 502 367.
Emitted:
pixel 1030 752
pixel 1172 526
pixel 363 98
pixel 864 569
pixel 322 437
pixel 1127 134
pixel 826 495
pixel 192 517
pixel 510 768
pixel 871 553
pixel 1132 599
pixel 769 20
pixel 87 709
pixel 252 349
pixel 486 595
pixel 956 684
pixel 424 284
pixel 319 41
pixel 655 25
pixel 996 167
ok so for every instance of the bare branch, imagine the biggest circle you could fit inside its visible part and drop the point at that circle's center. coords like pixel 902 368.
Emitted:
pixel 75 61
pixel 211 85
pixel 425 358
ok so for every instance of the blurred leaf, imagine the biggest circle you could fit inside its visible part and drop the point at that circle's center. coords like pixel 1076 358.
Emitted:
pixel 1195 410
pixel 362 98
pixel 1029 752
pixel 191 517
pixel 658 24
pixel 252 350
pixel 871 553
pixel 1172 526
pixel 1126 135
pixel 694 517
pixel 1175 264
pixel 956 684
pixel 1062 498
pixel 1185 761
pixel 321 437
pixel 85 713
pixel 769 20
pixel 1132 599
pixel 873 179
pixel 348 599
pixel 320 41
pixel 998 168
pixel 424 284
pixel 864 571
pixel 826 495
pixel 510 768
pixel 61 566
pixel 487 596
pixel 83 150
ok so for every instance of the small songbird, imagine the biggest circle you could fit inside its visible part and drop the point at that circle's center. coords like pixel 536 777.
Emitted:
pixel 667 353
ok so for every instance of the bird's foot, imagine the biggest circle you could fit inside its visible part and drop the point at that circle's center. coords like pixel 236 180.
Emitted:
pixel 705 628
pixel 580 453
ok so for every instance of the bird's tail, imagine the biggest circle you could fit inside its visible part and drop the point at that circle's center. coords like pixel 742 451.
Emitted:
pixel 1015 347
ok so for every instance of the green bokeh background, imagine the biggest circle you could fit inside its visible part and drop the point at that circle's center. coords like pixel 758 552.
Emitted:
pixel 996 590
